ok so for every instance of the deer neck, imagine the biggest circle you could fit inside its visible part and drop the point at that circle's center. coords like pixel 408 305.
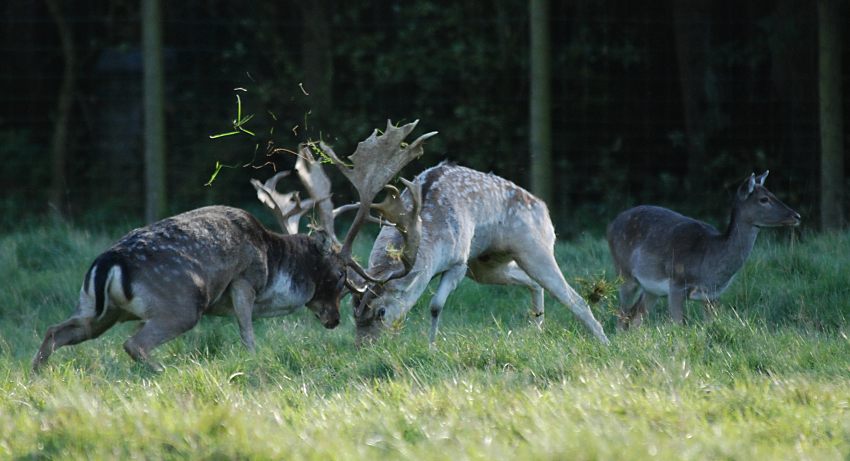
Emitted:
pixel 735 245
pixel 287 258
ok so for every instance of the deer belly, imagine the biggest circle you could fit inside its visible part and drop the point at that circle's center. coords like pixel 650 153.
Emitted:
pixel 658 287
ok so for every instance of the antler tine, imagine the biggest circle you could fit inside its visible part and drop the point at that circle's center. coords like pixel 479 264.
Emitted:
pixel 318 185
pixel 407 221
pixel 294 214
pixel 270 185
pixel 356 205
pixel 374 163
pixel 277 203
pixel 287 208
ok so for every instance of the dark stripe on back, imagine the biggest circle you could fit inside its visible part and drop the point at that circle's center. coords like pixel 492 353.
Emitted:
pixel 432 176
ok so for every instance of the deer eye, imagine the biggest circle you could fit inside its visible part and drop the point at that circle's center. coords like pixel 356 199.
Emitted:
pixel 764 200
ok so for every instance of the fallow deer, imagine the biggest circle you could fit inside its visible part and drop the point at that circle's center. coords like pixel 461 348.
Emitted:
pixel 658 252
pixel 472 224
pixel 219 260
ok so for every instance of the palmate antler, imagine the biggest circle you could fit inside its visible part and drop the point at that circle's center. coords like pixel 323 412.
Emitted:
pixel 378 159
pixel 318 185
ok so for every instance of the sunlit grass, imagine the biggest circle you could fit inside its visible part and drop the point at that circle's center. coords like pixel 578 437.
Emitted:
pixel 768 379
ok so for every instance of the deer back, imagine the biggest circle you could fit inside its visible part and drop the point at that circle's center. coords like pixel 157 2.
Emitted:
pixel 464 212
pixel 189 260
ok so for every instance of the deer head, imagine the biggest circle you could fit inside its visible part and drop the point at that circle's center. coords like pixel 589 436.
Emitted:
pixel 757 206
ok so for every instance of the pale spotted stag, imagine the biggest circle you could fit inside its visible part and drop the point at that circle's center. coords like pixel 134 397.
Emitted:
pixel 220 260
pixel 472 224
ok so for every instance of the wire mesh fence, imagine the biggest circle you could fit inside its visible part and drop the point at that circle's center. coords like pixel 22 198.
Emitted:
pixel 650 103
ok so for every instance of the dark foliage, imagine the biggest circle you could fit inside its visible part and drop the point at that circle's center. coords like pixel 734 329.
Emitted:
pixel 460 67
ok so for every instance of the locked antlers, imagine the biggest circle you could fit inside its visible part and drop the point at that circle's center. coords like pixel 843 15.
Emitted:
pixel 378 159
pixel 375 162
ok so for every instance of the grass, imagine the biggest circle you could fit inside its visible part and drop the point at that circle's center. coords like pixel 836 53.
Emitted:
pixel 768 379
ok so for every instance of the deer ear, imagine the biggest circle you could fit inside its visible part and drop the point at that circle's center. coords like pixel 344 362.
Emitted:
pixel 760 179
pixel 746 188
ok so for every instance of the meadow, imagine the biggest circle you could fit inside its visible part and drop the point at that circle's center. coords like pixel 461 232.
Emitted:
pixel 768 378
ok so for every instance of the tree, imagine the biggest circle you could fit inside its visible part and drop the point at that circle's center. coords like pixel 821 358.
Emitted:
pixel 154 118
pixel 59 142
pixel 540 120
pixel 690 24
pixel 831 117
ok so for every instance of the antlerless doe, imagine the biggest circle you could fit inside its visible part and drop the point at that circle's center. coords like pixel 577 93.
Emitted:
pixel 659 252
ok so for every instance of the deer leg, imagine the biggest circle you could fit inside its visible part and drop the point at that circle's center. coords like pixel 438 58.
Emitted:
pixel 73 331
pixel 448 282
pixel 629 290
pixel 510 274
pixel 675 302
pixel 641 307
pixel 709 310
pixel 537 306
pixel 155 332
pixel 541 266
pixel 243 296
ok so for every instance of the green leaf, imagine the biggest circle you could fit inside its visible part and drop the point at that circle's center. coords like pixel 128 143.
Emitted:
pixel 238 109
pixel 218 166
pixel 244 120
pixel 221 135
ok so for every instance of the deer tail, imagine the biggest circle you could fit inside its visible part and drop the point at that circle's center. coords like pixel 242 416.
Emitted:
pixel 107 269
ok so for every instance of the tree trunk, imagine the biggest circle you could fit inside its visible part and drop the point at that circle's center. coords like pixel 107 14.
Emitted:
pixel 831 117
pixel 691 35
pixel 59 142
pixel 154 118
pixel 540 119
